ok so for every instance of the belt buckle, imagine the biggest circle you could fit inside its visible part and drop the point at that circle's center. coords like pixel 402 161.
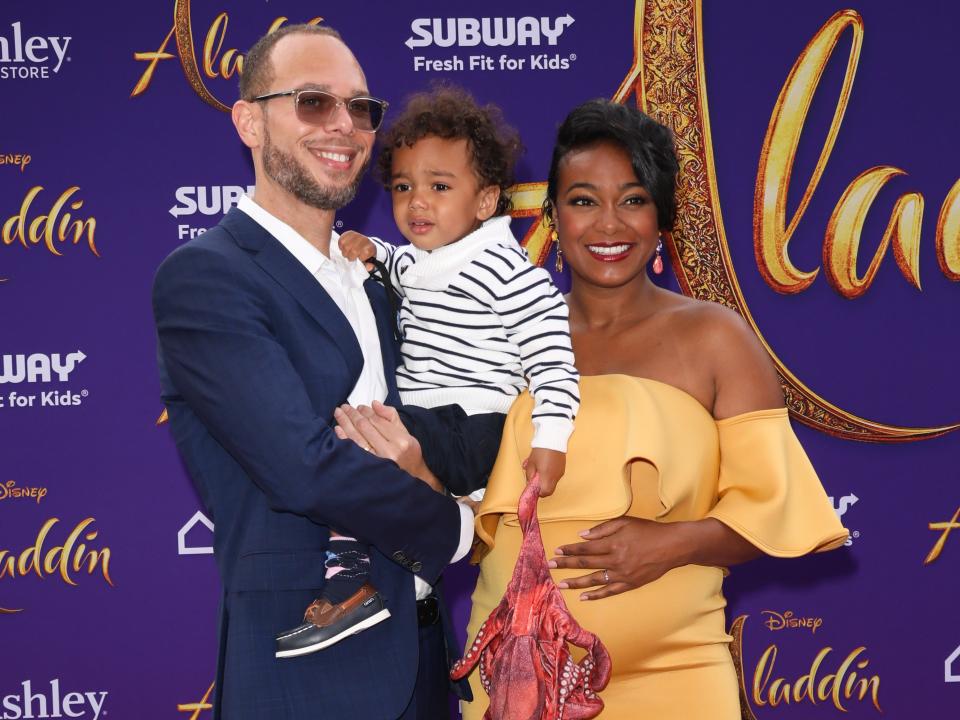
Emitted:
pixel 428 612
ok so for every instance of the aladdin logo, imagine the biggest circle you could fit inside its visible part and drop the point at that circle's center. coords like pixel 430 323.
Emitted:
pixel 816 685
pixel 788 621
pixel 9 489
pixel 50 704
pixel 773 229
pixel 216 62
pixel 52 229
pixel 492 32
pixel 944 528
pixel 71 556
pixel 195 708
pixel 831 678
pixel 20 160
pixel 38 367
pixel 31 57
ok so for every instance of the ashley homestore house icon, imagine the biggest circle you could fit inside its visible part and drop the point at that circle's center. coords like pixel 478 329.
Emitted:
pixel 195 548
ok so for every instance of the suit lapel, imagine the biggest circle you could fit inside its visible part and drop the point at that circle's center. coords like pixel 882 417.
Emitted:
pixel 283 267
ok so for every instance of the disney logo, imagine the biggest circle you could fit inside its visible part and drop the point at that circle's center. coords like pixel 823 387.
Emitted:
pixel 789 621
pixel 9 489
pixel 18 159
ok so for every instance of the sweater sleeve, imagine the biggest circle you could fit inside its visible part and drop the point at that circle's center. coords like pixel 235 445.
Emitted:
pixel 536 321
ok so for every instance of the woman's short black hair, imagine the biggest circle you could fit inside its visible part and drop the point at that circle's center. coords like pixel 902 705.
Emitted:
pixel 451 113
pixel 648 144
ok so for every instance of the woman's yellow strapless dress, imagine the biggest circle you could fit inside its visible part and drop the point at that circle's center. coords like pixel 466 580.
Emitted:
pixel 650 450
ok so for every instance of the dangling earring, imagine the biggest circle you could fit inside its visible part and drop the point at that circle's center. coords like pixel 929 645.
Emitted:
pixel 658 261
pixel 556 238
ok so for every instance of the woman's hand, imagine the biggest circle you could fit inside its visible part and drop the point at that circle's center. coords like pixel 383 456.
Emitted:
pixel 626 552
pixel 378 429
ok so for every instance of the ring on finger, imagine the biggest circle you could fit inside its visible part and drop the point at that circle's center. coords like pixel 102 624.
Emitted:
pixel 606 577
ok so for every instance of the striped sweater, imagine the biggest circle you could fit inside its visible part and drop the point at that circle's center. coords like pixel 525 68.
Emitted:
pixel 480 324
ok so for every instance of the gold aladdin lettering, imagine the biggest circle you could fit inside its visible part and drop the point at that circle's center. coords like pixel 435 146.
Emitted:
pixel 946 528
pixel 847 682
pixel 52 229
pixel 63 561
pixel 195 708
pixel 216 62
pixel 841 247
pixel 837 687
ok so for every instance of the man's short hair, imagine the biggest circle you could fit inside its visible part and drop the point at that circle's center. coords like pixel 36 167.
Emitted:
pixel 257 66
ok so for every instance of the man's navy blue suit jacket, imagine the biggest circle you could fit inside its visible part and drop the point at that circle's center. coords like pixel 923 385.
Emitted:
pixel 254 358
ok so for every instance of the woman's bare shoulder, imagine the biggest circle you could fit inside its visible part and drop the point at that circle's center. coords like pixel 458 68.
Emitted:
pixel 704 320
pixel 731 352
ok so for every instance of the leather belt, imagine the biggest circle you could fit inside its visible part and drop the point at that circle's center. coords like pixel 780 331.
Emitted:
pixel 428 611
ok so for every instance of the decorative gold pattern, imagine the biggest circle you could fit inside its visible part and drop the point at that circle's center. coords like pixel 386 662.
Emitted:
pixel 669 84
pixel 736 651
pixel 184 33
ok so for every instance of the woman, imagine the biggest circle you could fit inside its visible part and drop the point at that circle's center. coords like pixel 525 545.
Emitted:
pixel 683 461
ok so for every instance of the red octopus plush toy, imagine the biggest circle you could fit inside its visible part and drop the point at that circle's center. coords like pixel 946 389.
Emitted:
pixel 523 647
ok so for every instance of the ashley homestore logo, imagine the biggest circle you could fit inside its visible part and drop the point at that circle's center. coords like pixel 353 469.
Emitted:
pixel 33 57
pixel 49 701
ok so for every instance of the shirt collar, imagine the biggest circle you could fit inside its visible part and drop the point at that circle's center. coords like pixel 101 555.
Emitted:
pixel 490 232
pixel 298 246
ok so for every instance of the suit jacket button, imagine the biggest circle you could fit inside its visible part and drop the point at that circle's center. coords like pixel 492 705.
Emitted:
pixel 416 566
pixel 399 556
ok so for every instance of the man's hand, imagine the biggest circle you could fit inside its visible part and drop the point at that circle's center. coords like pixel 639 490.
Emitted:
pixel 379 430
pixel 354 246
pixel 549 464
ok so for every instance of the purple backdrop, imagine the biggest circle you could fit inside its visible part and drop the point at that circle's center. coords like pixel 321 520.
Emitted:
pixel 112 153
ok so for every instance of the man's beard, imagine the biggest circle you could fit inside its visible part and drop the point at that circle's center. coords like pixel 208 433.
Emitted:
pixel 288 173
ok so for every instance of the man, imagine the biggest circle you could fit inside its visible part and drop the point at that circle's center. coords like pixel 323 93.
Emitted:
pixel 264 331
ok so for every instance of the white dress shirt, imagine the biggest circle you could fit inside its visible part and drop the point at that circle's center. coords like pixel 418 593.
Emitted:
pixel 343 282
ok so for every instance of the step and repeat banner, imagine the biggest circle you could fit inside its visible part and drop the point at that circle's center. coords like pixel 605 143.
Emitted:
pixel 819 197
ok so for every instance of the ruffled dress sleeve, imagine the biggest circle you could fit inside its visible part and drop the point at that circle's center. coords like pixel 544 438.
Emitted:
pixel 768 491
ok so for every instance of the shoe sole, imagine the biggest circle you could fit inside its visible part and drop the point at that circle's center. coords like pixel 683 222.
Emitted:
pixel 360 627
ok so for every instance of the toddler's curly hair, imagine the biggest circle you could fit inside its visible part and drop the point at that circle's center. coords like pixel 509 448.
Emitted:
pixel 451 113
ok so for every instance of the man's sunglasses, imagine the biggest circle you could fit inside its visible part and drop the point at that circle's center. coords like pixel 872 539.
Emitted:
pixel 316 107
